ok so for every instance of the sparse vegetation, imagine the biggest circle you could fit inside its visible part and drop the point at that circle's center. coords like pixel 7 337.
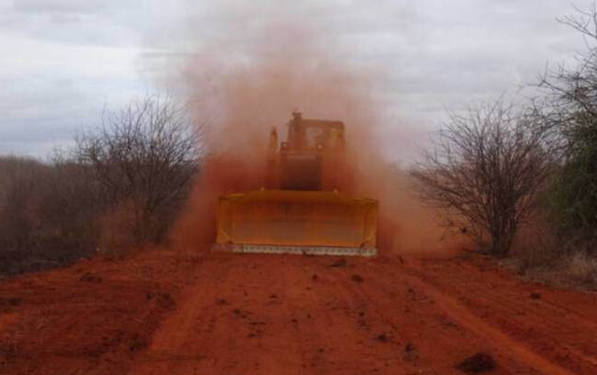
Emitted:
pixel 527 177
pixel 46 214
pixel 570 108
pixel 485 172
pixel 121 185
pixel 143 159
pixel 566 251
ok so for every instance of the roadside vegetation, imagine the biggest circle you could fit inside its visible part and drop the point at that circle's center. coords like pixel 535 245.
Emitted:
pixel 120 186
pixel 521 180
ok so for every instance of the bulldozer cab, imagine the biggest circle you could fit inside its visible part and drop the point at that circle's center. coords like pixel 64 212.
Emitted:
pixel 310 156
pixel 314 135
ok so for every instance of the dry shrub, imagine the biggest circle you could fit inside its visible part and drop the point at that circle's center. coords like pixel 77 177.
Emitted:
pixel 582 268
pixel 575 270
pixel 539 254
pixel 143 158
pixel 486 169
pixel 535 245
pixel 115 228
pixel 121 187
pixel 46 214
pixel 545 262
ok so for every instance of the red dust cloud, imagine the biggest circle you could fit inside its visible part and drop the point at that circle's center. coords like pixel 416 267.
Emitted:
pixel 241 102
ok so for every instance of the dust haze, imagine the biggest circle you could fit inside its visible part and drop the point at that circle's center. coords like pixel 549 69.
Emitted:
pixel 283 66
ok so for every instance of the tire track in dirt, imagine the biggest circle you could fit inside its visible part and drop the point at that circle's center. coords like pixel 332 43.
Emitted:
pixel 226 338
pixel 168 352
pixel 349 331
pixel 432 332
pixel 263 314
pixel 380 339
pixel 307 326
pixel 91 318
pixel 500 340
pixel 550 329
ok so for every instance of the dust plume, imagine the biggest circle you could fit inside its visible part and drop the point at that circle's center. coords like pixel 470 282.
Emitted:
pixel 282 68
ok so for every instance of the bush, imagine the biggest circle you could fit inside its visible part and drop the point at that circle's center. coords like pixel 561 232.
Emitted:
pixel 486 172
pixel 574 196
pixel 121 186
pixel 143 158
pixel 46 214
pixel 569 107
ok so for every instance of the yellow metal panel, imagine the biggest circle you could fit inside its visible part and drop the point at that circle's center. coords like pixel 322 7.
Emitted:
pixel 296 218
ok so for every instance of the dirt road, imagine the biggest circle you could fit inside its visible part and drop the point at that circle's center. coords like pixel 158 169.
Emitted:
pixel 172 313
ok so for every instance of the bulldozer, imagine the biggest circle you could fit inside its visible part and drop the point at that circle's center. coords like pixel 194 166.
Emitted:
pixel 300 208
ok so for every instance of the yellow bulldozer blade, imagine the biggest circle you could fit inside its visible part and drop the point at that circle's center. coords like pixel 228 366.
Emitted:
pixel 298 222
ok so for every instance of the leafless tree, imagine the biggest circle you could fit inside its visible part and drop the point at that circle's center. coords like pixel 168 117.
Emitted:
pixel 485 171
pixel 568 92
pixel 144 158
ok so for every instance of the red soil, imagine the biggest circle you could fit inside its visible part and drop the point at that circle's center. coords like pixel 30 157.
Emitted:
pixel 165 312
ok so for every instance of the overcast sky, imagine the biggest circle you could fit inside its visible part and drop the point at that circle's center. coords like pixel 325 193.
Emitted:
pixel 63 61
